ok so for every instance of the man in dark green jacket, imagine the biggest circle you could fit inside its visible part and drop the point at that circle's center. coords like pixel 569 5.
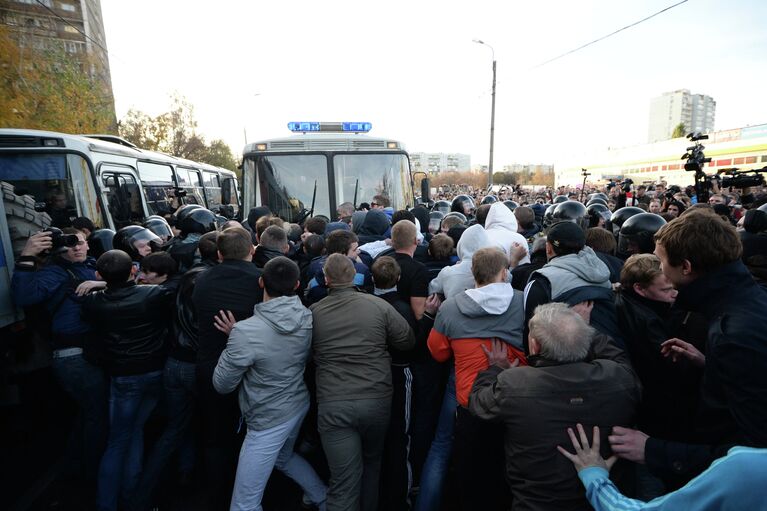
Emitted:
pixel 351 333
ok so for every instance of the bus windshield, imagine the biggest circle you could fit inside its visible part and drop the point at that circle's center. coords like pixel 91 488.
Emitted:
pixel 370 175
pixel 287 184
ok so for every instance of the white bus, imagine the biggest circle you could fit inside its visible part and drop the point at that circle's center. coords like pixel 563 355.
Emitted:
pixel 322 166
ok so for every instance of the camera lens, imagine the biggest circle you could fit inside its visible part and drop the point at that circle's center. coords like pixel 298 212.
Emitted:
pixel 70 240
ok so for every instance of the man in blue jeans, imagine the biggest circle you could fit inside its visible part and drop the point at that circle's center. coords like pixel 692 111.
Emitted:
pixel 130 324
pixel 265 357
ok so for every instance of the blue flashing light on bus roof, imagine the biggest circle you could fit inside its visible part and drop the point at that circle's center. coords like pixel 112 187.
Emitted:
pixel 358 127
pixel 303 126
pixel 350 127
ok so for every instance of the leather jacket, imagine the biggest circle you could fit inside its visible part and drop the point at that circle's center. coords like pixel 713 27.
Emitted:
pixel 129 326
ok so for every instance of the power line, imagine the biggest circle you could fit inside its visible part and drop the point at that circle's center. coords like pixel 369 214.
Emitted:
pixel 608 35
pixel 74 26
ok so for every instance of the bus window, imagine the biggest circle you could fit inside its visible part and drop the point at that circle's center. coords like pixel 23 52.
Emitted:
pixel 191 182
pixel 158 187
pixel 46 178
pixel 123 198
pixel 212 189
pixel 288 181
pixel 367 175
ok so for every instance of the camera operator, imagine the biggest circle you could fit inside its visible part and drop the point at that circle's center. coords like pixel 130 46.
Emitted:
pixel 53 287
pixel 701 256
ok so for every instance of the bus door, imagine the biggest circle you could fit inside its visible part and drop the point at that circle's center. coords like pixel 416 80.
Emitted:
pixel 122 194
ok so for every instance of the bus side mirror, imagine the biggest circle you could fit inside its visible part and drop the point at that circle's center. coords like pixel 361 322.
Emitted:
pixel 425 189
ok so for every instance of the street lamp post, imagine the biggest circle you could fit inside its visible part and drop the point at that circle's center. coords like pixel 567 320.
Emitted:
pixel 492 118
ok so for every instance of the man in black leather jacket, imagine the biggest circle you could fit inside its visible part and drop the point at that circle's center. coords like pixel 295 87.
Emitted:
pixel 130 323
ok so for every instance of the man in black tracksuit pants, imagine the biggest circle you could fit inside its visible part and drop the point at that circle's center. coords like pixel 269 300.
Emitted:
pixel 396 471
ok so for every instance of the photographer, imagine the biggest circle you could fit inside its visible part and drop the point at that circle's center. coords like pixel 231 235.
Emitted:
pixel 52 286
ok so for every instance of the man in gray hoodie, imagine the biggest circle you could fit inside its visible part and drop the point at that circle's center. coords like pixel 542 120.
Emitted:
pixel 265 356
pixel 574 274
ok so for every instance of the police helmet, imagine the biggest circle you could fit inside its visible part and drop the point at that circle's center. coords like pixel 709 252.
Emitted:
pixel 489 199
pixel 458 215
pixel 621 215
pixel 599 195
pixel 559 199
pixel 637 234
pixel 461 203
pixel 763 207
pixel 198 221
pixel 548 216
pixel 132 238
pixel 159 226
pixel 572 211
pixel 442 206
pixel 599 212
pixel 435 221
pixel 100 241
pixel 182 212
pixel 512 205
pixel 596 200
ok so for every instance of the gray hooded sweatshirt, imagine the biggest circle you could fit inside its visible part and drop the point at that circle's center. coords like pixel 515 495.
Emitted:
pixel 267 353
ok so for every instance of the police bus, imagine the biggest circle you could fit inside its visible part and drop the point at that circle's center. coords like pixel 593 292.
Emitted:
pixel 322 166
pixel 49 178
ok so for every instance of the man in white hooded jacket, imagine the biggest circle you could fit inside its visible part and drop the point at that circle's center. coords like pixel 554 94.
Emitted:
pixel 501 226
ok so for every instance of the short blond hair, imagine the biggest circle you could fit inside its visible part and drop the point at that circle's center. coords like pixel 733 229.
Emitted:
pixel 487 263
pixel 340 270
pixel 640 269
pixel 403 235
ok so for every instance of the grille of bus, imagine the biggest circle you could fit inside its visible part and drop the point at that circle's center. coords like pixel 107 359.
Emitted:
pixel 326 145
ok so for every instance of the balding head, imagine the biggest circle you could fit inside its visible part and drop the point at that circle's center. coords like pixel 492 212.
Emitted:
pixel 559 333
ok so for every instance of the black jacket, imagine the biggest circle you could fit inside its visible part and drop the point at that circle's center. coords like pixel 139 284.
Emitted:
pixel 521 274
pixel 733 407
pixel 614 264
pixel 263 255
pixel 130 324
pixel 231 285
pixel 670 389
pixel 420 328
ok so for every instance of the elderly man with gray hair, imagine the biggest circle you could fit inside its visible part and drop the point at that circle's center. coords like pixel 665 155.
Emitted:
pixel 575 375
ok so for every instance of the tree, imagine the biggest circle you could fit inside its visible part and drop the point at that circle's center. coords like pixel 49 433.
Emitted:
pixel 175 132
pixel 679 131
pixel 50 89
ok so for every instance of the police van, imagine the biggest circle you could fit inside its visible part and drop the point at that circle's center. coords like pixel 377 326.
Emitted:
pixel 49 178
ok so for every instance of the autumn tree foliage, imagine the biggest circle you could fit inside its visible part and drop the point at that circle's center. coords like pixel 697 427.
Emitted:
pixel 175 132
pixel 48 89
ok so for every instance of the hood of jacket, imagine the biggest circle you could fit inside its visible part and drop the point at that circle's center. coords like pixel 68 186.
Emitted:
pixel 358 218
pixel 501 217
pixel 374 226
pixel 586 265
pixel 472 240
pixel 492 299
pixel 285 314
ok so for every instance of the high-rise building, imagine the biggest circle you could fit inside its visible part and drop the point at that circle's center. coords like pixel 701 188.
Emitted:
pixel 75 26
pixel 695 111
pixel 434 163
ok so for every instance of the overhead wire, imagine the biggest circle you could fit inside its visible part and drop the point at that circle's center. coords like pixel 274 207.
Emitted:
pixel 608 35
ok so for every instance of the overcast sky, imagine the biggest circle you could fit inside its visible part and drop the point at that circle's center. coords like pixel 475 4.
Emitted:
pixel 411 69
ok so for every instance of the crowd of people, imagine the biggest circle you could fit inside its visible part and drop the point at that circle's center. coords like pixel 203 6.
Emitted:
pixel 553 350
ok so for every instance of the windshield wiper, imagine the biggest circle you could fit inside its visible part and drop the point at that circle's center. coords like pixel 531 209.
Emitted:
pixel 356 187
